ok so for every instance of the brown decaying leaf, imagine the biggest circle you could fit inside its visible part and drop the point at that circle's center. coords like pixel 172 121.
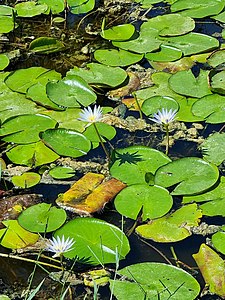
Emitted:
pixel 88 198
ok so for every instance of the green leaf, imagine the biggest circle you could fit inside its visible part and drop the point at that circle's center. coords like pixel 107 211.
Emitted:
pixel 212 146
pixel 30 9
pixel 172 228
pixel 32 155
pixel 75 91
pixel 185 110
pixel 218 240
pixel 210 108
pixel 100 75
pixel 216 58
pixel 191 175
pixel 165 54
pixel 61 172
pixel 66 142
pixel 131 164
pixel 26 180
pixel 6 24
pixel 149 280
pixel 4 61
pixel 15 236
pixel 119 32
pixel 96 241
pixel 193 87
pixel 42 217
pixel 46 45
pixel 80 6
pixel 56 6
pixel 154 201
pixel 25 129
pixel 217 82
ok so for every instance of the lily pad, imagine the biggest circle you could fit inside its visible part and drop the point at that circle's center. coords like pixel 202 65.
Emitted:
pixel 216 58
pixel 46 45
pixel 218 240
pixel 97 241
pixel 32 155
pixel 185 63
pixel 172 228
pixel 119 32
pixel 80 6
pixel 62 172
pixel 4 61
pixel 193 87
pixel 131 164
pixel 30 9
pixel 15 236
pixel 166 53
pixel 191 175
pixel 210 108
pixel 154 201
pixel 25 129
pixel 185 113
pixel 66 142
pixel 26 180
pixel 149 280
pixel 212 146
pixel 100 75
pixel 217 82
pixel 56 6
pixel 42 217
pixel 7 24
pixel 75 91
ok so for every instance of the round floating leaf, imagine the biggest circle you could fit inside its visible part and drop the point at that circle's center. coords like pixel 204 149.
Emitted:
pixel 218 240
pixel 217 82
pixel 185 110
pixel 153 104
pixel 169 25
pixel 56 6
pixel 193 87
pixel 21 80
pixel 210 108
pixel 25 129
pixel 217 58
pixel 75 91
pixel 119 32
pixel 26 180
pixel 185 63
pixel 62 172
pixel 114 57
pixel 30 9
pixel 6 10
pixel 149 280
pixel 7 24
pixel 42 218
pixel 97 241
pixel 166 53
pixel 80 6
pixel 212 146
pixel 131 164
pixel 192 43
pixel 191 175
pixel 4 60
pixel 15 236
pixel 172 228
pixel 66 142
pixel 99 74
pixel 32 155
pixel 220 17
pixel 154 201
pixel 213 208
pixel 46 45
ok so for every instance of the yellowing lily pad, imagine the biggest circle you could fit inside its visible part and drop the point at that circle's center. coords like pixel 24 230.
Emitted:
pixel 26 180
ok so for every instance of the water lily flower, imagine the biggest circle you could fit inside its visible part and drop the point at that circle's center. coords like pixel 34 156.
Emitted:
pixel 91 116
pixel 60 245
pixel 164 117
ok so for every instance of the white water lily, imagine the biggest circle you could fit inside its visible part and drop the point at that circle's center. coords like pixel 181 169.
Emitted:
pixel 164 117
pixel 60 245
pixel 91 116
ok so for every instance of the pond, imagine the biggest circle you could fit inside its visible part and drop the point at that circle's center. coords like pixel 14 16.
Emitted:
pixel 112 149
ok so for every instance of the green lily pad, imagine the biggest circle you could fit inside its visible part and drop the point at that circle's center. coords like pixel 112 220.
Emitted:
pixel 6 10
pixel 149 280
pixel 192 43
pixel 4 61
pixel 133 163
pixel 42 217
pixel 216 58
pixel 32 155
pixel 46 45
pixel 75 91
pixel 96 241
pixel 25 129
pixel 119 32
pixel 15 236
pixel 62 172
pixel 218 240
pixel 56 6
pixel 191 175
pixel 80 6
pixel 210 108
pixel 193 87
pixel 114 57
pixel 172 228
pixel 166 53
pixel 212 146
pixel 100 75
pixel 26 180
pixel 154 201
pixel 20 80
pixel 217 82
pixel 7 24
pixel 220 17
pixel 66 142
pixel 185 113
pixel 153 104
pixel 30 9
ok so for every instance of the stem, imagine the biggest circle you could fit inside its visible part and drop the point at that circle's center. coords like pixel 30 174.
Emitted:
pixel 166 126
pixel 101 142
pixel 139 107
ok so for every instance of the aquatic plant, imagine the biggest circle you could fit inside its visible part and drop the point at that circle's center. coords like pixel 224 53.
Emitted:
pixel 59 245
